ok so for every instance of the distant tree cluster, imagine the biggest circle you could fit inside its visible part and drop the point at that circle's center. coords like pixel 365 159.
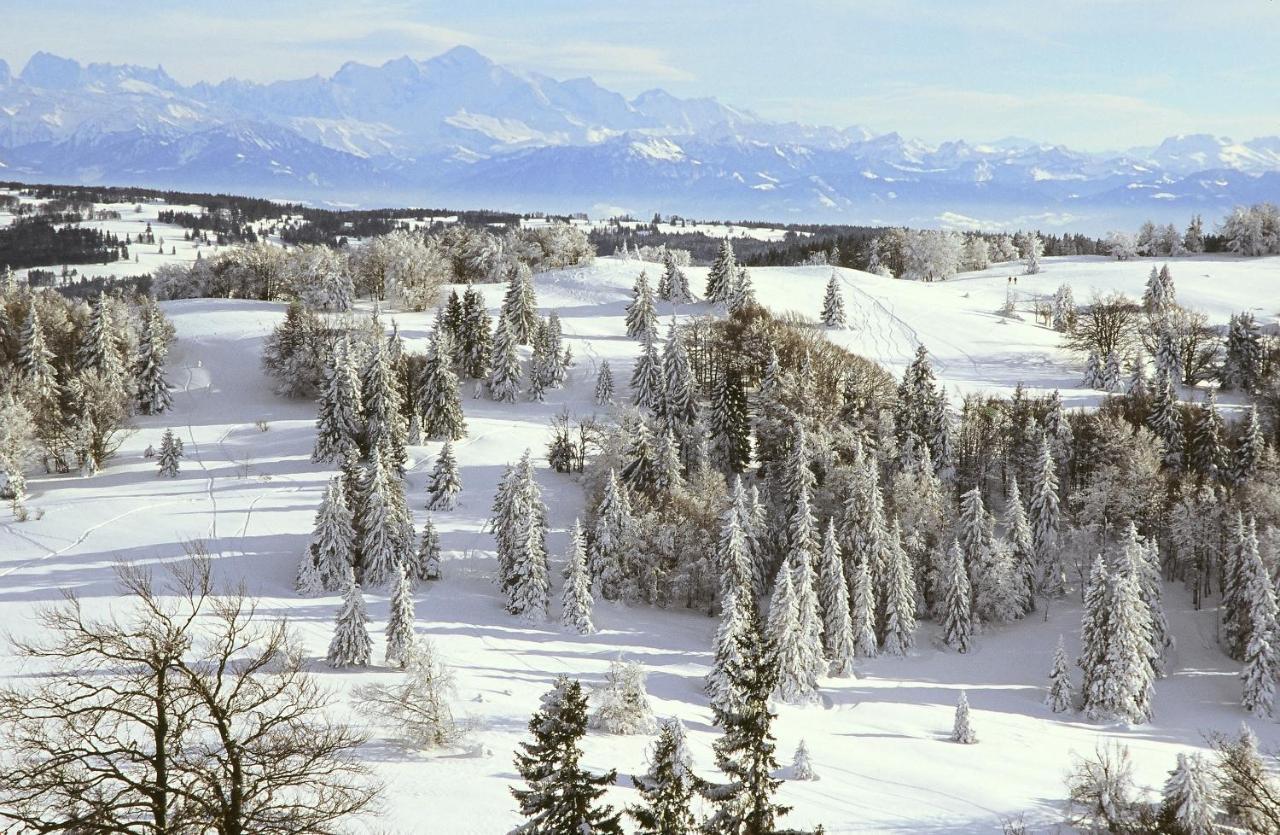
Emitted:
pixel 41 241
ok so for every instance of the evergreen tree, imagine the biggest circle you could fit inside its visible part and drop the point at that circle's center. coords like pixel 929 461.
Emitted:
pixel 1248 454
pixel 1093 374
pixel 647 387
pixel 730 423
pixel 575 609
pixel 1059 696
pixel 561 797
pixel 1138 385
pixel 97 351
pixel 720 277
pixel 351 645
pixel 668 480
pixel 680 393
pixel 744 293
pixel 611 539
pixel 957 626
pixel 900 599
pixel 153 397
pixel 1204 445
pixel 378 542
pixel 444 484
pixel 1111 380
pixel 737 614
pixel 35 359
pixel 400 635
pixel 833 304
pixel 746 752
pixel 733 547
pixel 1188 804
pixel 308 582
pixel 863 618
pixel 519 307
pixel 1257 596
pixel 1165 420
pixel 622 706
pixel 832 585
pixel 332 548
pixel 384 424
pixel 1242 365
pixel 642 317
pixel 962 729
pixel 427 561
pixel 786 634
pixel 339 420
pixel 667 788
pixel 1141 560
pixel 475 335
pixel 525 578
pixel 604 385
pixel 438 397
pixel 504 364
pixel 1119 685
pixel 170 454
pixel 1021 544
pixel 801 765
pixel 1044 516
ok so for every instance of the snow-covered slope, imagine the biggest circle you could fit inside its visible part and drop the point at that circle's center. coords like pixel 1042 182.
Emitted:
pixel 877 741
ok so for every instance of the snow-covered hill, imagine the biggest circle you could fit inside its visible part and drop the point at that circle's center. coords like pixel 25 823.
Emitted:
pixel 877 741
pixel 459 129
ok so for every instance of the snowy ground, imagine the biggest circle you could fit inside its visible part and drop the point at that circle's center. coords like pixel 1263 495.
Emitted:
pixel 878 741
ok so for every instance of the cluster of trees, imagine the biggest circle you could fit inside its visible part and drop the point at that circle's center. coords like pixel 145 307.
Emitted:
pixel 1251 231
pixel 40 242
pixel 71 375
pixel 932 255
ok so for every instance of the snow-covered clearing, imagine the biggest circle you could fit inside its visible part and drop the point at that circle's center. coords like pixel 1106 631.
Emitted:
pixel 878 741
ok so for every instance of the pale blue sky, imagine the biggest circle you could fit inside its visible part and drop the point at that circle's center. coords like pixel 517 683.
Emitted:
pixel 1093 74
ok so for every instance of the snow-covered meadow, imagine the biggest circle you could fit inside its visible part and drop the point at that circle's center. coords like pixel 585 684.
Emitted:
pixel 878 741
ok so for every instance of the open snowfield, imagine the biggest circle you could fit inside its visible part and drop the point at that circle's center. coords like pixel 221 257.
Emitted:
pixel 878 741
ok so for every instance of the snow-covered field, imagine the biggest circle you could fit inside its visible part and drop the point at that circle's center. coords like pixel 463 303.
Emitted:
pixel 878 741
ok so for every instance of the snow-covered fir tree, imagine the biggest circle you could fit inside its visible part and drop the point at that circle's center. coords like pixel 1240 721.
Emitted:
pixel 604 385
pixel 351 645
pixel 785 633
pixel 1165 420
pixel 1093 375
pixel 647 388
pixel 560 797
pixel 1021 544
pixel 833 304
pixel 733 547
pixel 737 615
pixel 1059 696
pixel 744 293
pixel 957 623
pixel 642 315
pixel 521 529
pixel 153 397
pixel 575 602
pixel 35 359
pixel 1256 597
pixel 379 545
pixel 170 454
pixel 730 423
pixel 1141 560
pixel 611 539
pixel 439 401
pixel 1188 805
pixel 1248 453
pixel 308 582
pixel 1242 364
pixel 1112 380
pixel 1168 360
pixel 332 548
pixel 802 764
pixel 668 476
pixel 863 610
pixel 1116 645
pixel 1032 247
pixel 444 484
pixel 1155 298
pixel 899 598
pixel 622 706
pixel 1138 384
pixel 720 277
pixel 385 427
pixel 475 335
pixel 668 786
pixel 674 281
pixel 1044 516
pixel 1205 451
pixel 680 391
pixel 340 418
pixel 1063 309
pixel 962 727
pixel 519 306
pixel 503 383
pixel 400 634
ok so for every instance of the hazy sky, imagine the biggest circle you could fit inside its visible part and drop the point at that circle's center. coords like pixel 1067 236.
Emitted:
pixel 1093 74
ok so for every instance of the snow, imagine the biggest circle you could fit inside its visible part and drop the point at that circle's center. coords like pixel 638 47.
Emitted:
pixel 879 741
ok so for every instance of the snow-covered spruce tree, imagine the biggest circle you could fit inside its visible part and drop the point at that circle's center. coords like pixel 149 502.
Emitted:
pixel 170 454
pixel 1257 597
pixel 400 635
pixel 899 598
pixel 339 419
pixel 332 548
pixel 802 764
pixel 1112 381
pixel 379 534
pixel 863 614
pixel 153 396
pixel 438 397
pixel 504 365
pixel 680 391
pixel 1063 309
pixel 1093 372
pixel 622 706
pixel 1242 364
pixel 519 306
pixel 1248 453
pixel 1166 421
pixel 97 350
pixel 642 316
pixel 957 623
pixel 972 525
pixel 1141 560
pixel 833 304
pixel 1154 300
pixel 560 797
pixel 385 427
pixel 526 578
pixel 1032 248
pixel 1095 632
pixel 744 293
pixel 647 388
pixel 832 584
pixel 720 277
pixel 1044 516
pixel 809 611
pixel 1205 450
pixel 733 545
pixel 1059 696
pixel 1122 688
pixel 611 539
pixel 351 645
pixel 786 635
pixel 35 359
pixel 1246 790
pixel 962 727
pixel 475 335
pixel 604 385
pixel 543 364
pixel 746 752
pixel 1138 384
pixel 668 478
pixel 667 788
pixel 674 281
pixel 730 423
pixel 1188 806
pixel 426 563
pixel 444 483
pixel 1021 544
pixel 575 602
pixel 639 472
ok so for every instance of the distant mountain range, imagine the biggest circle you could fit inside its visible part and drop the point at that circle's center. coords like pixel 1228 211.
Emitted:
pixel 459 130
